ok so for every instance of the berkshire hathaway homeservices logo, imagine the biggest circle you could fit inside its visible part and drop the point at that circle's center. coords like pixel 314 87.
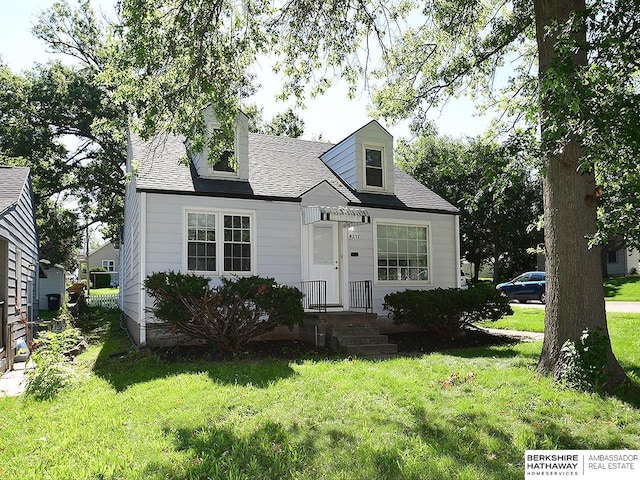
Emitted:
pixel 583 464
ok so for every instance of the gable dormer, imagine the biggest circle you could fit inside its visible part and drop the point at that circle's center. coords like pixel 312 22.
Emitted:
pixel 234 164
pixel 364 160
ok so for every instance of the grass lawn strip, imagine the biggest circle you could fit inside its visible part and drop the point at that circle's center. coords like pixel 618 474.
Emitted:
pixel 622 289
pixel 466 414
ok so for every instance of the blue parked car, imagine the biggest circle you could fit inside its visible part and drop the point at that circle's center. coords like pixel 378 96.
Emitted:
pixel 528 286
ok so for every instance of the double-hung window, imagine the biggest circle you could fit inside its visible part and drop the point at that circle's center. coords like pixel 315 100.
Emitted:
pixel 374 167
pixel 109 265
pixel 402 253
pixel 219 242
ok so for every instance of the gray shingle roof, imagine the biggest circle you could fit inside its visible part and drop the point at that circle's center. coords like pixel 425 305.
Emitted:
pixel 12 180
pixel 279 168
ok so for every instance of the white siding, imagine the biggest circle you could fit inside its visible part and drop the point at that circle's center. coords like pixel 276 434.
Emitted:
pixel 277 233
pixel 443 261
pixel 323 195
pixel 346 158
pixel 374 135
pixel 130 286
pixel 342 160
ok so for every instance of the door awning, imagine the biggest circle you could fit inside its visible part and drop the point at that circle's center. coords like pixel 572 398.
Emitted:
pixel 350 215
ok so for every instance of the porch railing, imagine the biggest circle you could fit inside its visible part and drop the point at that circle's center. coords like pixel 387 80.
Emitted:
pixel 360 295
pixel 315 295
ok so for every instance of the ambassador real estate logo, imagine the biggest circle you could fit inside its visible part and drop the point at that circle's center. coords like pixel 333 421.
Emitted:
pixel 583 464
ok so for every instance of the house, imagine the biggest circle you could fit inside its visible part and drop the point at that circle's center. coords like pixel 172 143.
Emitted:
pixel 18 262
pixel 52 282
pixel 340 221
pixel 622 262
pixel 106 256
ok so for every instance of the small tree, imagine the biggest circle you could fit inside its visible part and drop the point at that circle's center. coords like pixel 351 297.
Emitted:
pixel 228 316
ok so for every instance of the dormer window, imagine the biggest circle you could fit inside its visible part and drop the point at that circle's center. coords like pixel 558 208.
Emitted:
pixel 374 167
pixel 231 162
pixel 226 162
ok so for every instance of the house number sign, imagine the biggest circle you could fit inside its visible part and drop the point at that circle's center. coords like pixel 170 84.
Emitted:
pixel 354 236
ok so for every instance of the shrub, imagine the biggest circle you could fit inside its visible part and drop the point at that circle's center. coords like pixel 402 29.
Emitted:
pixel 53 371
pixel 228 316
pixel 169 289
pixel 446 312
pixel 584 364
pixel 100 280
pixel 52 374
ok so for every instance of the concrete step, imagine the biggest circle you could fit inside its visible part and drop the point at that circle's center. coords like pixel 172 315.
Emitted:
pixel 369 350
pixel 352 331
pixel 364 340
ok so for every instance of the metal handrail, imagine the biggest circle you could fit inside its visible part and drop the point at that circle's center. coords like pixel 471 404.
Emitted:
pixel 315 295
pixel 360 296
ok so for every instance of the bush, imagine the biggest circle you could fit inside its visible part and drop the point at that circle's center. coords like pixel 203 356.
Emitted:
pixel 100 280
pixel 228 316
pixel 52 374
pixel 584 364
pixel 169 289
pixel 53 371
pixel 446 312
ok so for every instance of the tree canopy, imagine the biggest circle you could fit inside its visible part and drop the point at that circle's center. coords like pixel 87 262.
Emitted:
pixel 58 120
pixel 494 186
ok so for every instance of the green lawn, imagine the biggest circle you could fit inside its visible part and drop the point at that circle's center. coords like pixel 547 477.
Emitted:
pixel 465 414
pixel 622 289
pixel 105 291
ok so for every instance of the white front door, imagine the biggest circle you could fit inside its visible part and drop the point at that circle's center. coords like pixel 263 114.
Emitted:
pixel 324 261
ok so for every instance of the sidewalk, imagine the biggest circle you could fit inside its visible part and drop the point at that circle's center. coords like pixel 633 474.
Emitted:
pixel 12 383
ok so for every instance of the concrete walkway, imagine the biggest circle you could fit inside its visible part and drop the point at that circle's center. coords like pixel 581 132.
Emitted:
pixel 12 383
pixel 515 334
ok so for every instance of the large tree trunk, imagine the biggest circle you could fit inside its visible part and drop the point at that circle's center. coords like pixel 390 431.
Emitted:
pixel 575 295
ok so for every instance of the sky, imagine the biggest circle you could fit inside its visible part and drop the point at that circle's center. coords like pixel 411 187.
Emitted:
pixel 332 116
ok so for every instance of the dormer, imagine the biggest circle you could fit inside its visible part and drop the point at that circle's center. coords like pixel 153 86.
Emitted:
pixel 364 160
pixel 233 164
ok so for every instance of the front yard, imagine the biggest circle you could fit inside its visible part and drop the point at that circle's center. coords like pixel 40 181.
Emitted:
pixel 464 414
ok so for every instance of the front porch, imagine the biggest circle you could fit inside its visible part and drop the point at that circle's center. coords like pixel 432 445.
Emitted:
pixel 315 297
pixel 348 332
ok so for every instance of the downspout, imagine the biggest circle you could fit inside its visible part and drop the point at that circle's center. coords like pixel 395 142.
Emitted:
pixel 143 267
pixel 457 249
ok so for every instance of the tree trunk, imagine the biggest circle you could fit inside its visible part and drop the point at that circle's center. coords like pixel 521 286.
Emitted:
pixel 575 295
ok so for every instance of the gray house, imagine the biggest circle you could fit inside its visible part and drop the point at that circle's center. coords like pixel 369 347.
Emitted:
pixel 340 221
pixel 18 262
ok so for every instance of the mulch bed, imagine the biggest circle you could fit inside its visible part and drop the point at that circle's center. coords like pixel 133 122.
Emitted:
pixel 409 343
pixel 423 342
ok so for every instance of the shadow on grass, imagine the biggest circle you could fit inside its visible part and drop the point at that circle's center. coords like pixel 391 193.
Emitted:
pixel 492 352
pixel 120 365
pixel 219 453
pixel 612 285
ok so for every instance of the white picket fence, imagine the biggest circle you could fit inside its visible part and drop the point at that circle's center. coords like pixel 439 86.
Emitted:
pixel 104 301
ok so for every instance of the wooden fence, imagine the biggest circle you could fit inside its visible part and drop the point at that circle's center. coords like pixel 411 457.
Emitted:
pixel 104 301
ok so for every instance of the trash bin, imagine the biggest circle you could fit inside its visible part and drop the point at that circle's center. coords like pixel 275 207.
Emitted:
pixel 53 301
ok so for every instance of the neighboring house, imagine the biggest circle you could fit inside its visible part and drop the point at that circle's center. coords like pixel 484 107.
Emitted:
pixel 106 256
pixel 313 215
pixel 622 262
pixel 52 282
pixel 18 261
